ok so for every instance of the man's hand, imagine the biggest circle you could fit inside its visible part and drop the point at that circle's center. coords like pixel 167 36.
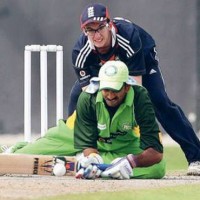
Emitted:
pixel 120 169
pixel 86 168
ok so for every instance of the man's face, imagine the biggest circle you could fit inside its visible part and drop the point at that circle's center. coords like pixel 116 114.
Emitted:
pixel 113 98
pixel 99 34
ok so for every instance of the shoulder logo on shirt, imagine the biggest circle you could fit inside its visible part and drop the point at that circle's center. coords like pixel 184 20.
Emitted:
pixel 82 73
pixel 101 126
pixel 153 71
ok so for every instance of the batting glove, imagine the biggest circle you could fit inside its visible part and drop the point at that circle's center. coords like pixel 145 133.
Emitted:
pixel 14 148
pixel 93 86
pixel 121 168
pixel 86 168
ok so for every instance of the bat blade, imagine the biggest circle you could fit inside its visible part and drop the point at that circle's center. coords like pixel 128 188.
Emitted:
pixel 35 164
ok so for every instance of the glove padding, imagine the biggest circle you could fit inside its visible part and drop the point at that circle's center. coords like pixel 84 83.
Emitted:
pixel 120 169
pixel 86 168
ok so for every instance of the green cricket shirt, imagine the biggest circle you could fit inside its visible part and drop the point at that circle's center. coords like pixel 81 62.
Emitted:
pixel 97 127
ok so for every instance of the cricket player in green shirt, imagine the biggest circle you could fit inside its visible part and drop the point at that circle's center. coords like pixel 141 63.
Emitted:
pixel 107 124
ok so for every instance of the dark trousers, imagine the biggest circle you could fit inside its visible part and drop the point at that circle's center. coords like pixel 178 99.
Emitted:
pixel 74 94
pixel 170 115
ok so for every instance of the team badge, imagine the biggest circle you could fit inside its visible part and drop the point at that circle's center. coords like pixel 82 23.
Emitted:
pixel 82 73
pixel 111 71
pixel 126 126
pixel 90 12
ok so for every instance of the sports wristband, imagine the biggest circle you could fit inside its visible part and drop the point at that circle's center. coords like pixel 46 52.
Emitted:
pixel 132 160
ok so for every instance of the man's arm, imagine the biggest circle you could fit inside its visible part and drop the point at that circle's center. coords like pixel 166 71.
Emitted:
pixel 79 58
pixel 150 136
pixel 88 151
pixel 147 158
pixel 85 125
pixel 85 137
pixel 84 88
pixel 121 168
pixel 138 79
pixel 85 129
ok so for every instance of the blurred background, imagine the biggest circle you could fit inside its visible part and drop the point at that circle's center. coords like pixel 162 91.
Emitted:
pixel 172 23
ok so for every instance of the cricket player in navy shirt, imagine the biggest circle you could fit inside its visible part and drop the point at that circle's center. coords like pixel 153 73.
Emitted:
pixel 106 39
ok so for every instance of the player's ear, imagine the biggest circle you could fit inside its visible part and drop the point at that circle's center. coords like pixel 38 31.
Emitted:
pixel 84 32
pixel 127 87
pixel 109 24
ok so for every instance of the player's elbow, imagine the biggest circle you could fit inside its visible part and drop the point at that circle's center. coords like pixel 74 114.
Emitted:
pixel 154 156
pixel 158 157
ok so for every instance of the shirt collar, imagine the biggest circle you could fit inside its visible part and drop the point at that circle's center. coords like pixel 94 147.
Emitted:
pixel 113 32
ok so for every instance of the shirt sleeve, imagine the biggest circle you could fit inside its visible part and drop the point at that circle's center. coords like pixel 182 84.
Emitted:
pixel 130 41
pixel 136 63
pixel 85 131
pixel 145 117
pixel 80 54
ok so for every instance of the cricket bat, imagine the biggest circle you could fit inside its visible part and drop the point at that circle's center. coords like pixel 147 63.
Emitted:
pixel 35 164
pixel 38 164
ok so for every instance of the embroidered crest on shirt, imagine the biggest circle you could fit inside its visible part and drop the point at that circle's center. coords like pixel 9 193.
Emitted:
pixel 126 126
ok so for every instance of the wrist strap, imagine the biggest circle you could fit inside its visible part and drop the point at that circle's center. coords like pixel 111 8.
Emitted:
pixel 132 160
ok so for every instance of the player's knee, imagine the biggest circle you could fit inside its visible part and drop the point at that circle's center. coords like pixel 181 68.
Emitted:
pixel 159 170
pixel 156 171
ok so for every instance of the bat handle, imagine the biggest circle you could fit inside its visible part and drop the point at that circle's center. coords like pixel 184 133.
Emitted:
pixel 103 167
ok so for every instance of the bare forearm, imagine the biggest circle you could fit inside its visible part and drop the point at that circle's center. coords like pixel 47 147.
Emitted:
pixel 88 151
pixel 146 158
pixel 138 79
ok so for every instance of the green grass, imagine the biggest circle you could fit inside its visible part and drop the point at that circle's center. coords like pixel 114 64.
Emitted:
pixel 176 162
pixel 172 193
pixel 175 159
